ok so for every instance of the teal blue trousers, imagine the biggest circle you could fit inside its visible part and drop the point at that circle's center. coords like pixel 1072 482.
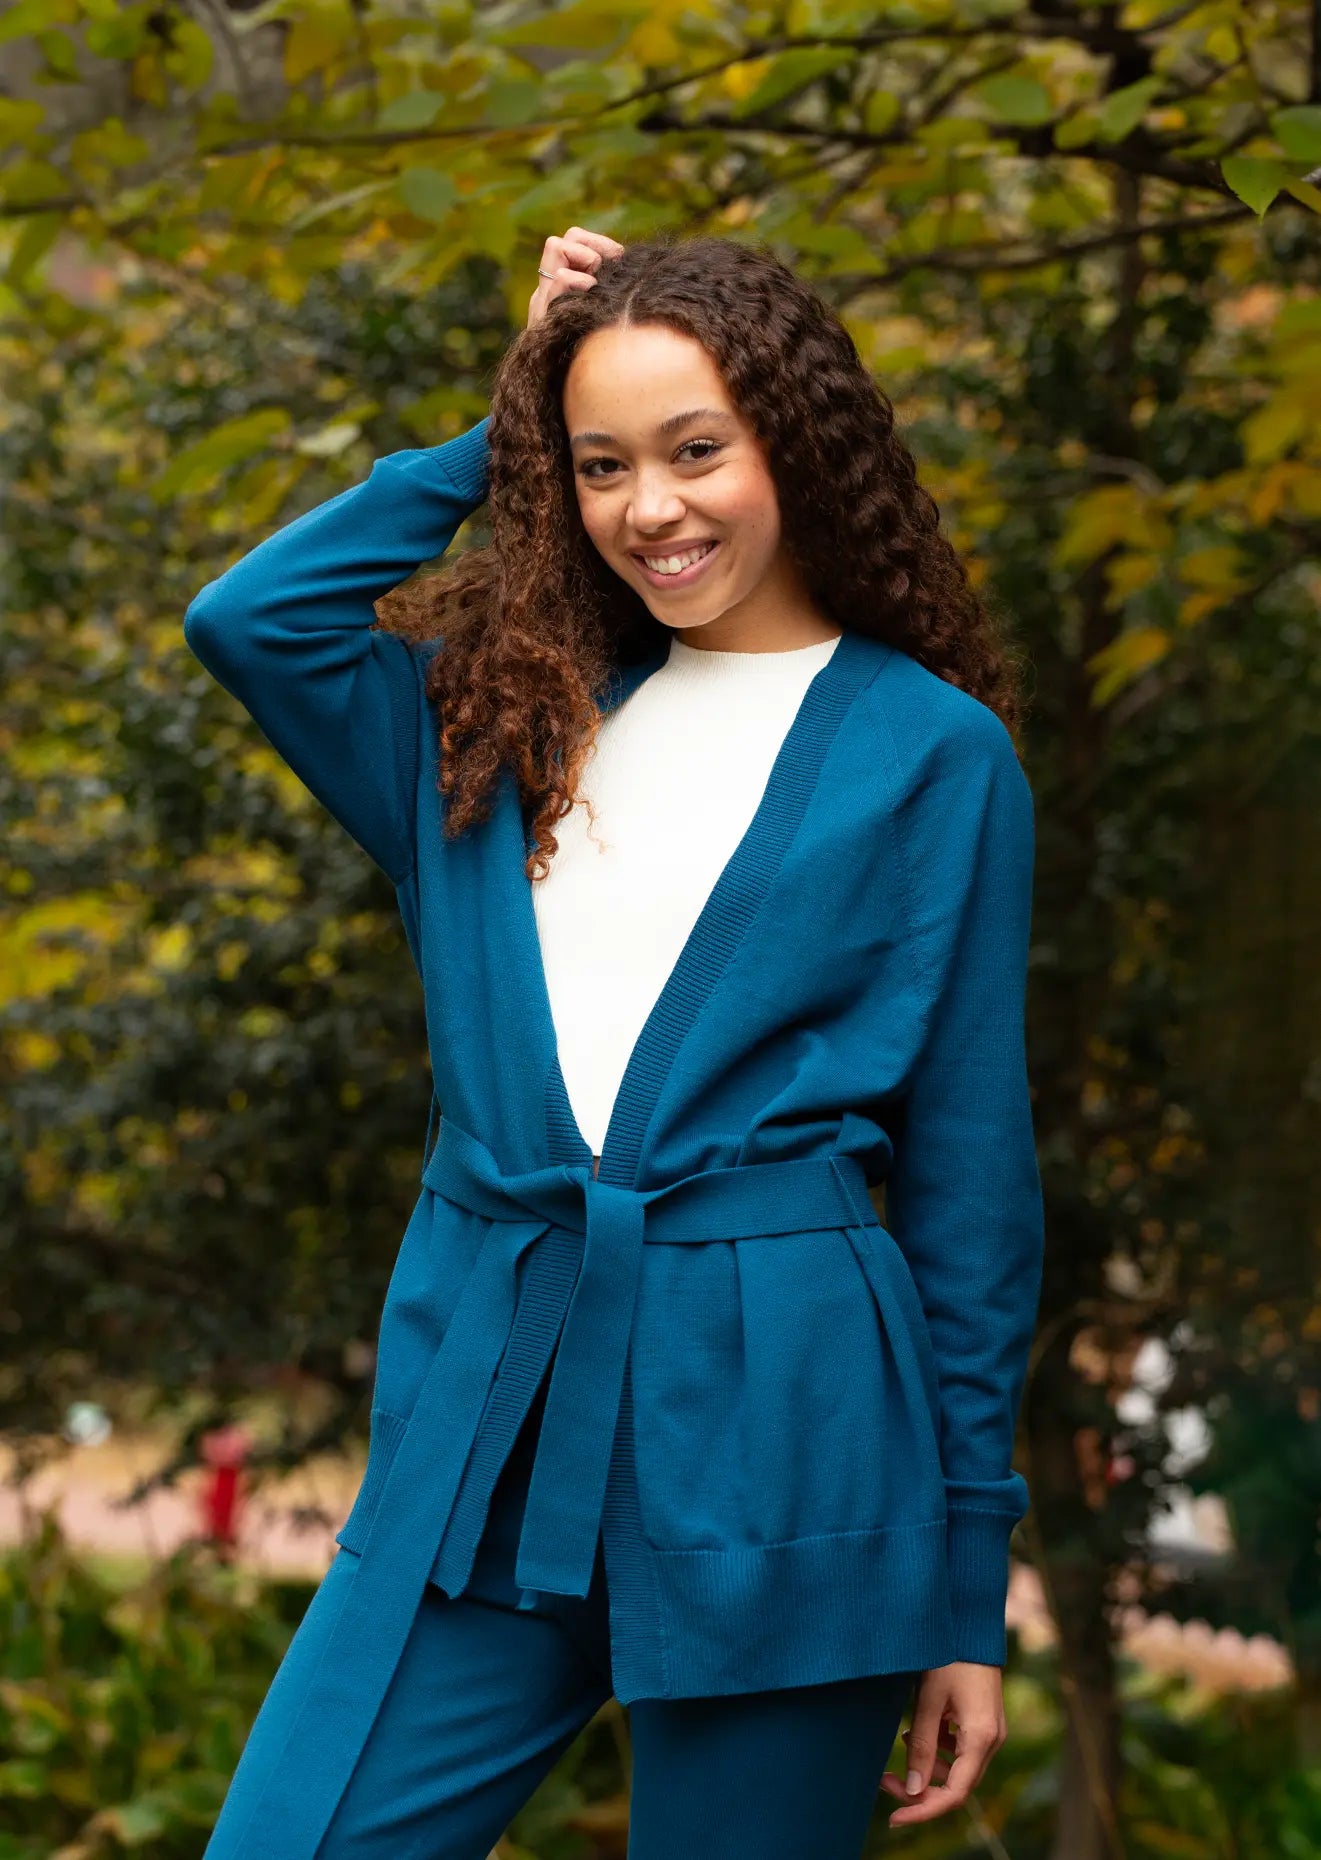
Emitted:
pixel 487 1697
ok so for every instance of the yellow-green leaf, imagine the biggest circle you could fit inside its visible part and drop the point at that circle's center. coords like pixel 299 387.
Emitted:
pixel 201 465
pixel 133 1824
pixel 1015 97
pixel 831 239
pixel 1106 517
pixel 430 193
pixel 1256 181
pixel 261 490
pixel 25 1780
pixel 511 101
pixel 1298 132
pixel 38 235
pixel 19 118
pixel 315 40
pixel 57 48
pixel 27 16
pixel 190 54
pixel 1129 574
pixel 1305 192
pixel 954 132
pixel 1125 659
pixel 1273 429
pixel 415 109
pixel 587 26
pixel 550 198
pixel 1077 131
pixel 1219 566
pixel 1305 491
pixel 574 84
pixel 792 72
pixel 881 112
pixel 117 35
pixel 1123 110
pixel 232 178
pixel 100 149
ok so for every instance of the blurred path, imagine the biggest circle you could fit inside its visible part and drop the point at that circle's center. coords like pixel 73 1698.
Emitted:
pixel 86 1485
pixel 275 1540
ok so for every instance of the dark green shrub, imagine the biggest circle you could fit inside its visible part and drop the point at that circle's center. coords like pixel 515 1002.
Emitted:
pixel 124 1704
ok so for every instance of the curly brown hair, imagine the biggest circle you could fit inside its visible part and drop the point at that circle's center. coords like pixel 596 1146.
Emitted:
pixel 535 623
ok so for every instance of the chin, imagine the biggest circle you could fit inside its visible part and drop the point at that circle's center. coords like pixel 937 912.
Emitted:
pixel 688 622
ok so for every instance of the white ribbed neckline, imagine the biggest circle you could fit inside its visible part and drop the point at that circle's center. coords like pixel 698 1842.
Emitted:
pixel 694 661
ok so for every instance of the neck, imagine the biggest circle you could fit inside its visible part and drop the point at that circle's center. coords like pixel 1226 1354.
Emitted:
pixel 715 636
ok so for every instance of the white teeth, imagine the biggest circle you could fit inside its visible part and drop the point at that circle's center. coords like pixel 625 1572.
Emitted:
pixel 674 564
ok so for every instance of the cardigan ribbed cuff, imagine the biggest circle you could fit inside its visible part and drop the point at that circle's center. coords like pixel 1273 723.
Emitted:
pixel 467 462
pixel 977 1555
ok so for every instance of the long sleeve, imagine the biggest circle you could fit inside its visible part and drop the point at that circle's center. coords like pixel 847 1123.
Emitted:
pixel 963 1198
pixel 287 631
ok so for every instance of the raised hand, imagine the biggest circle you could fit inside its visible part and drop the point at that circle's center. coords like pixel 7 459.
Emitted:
pixel 569 263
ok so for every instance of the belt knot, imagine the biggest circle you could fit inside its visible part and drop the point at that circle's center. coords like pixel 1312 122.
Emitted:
pixel 566 1493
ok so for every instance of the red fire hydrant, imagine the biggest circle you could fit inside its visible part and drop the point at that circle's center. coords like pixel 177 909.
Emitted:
pixel 225 1450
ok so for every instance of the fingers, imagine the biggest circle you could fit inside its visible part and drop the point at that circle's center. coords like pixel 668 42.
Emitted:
pixel 599 245
pixel 569 262
pixel 573 257
pixel 924 1738
pixel 948 1754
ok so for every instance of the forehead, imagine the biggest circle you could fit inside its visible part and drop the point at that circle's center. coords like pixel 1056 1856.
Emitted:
pixel 626 381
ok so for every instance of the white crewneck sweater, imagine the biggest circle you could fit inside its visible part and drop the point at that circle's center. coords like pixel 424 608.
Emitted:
pixel 675 777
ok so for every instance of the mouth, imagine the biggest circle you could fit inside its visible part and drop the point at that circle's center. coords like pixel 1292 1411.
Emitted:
pixel 684 577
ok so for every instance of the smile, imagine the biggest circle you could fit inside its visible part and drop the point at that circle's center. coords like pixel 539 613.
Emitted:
pixel 677 577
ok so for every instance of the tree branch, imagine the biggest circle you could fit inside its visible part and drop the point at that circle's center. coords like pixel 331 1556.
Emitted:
pixel 988 257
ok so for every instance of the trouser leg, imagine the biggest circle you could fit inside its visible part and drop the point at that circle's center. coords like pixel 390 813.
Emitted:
pixel 762 1775
pixel 483 1703
pixel 261 1754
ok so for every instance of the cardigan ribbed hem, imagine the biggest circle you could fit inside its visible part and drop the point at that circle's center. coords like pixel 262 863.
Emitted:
pixel 978 1546
pixel 466 462
pixel 815 1609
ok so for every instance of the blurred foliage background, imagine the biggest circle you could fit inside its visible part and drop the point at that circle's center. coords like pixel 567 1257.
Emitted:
pixel 248 248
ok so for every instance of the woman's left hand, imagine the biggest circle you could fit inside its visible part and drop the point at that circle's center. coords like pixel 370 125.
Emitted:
pixel 958 1725
pixel 572 260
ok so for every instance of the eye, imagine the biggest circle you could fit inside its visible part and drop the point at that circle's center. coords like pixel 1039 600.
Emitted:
pixel 713 443
pixel 585 469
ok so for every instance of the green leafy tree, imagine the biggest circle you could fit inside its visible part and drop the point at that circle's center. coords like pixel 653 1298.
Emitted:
pixel 249 249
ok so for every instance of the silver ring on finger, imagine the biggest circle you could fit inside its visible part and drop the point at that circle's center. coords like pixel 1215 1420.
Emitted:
pixel 545 274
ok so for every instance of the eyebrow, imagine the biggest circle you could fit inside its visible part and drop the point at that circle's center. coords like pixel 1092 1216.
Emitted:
pixel 664 429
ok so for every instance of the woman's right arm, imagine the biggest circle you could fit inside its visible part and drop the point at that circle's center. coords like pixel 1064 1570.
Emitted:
pixel 287 631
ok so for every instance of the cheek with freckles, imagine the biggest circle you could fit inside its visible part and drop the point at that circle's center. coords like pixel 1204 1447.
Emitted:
pixel 747 514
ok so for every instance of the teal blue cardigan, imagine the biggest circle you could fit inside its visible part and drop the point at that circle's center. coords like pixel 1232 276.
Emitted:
pixel 791 1425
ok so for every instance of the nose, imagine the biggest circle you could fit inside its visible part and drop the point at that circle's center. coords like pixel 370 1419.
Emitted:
pixel 655 504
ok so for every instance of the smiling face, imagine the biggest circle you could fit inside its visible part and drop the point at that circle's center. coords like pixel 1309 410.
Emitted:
pixel 663 466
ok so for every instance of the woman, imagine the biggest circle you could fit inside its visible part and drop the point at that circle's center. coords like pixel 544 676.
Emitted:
pixel 755 1477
